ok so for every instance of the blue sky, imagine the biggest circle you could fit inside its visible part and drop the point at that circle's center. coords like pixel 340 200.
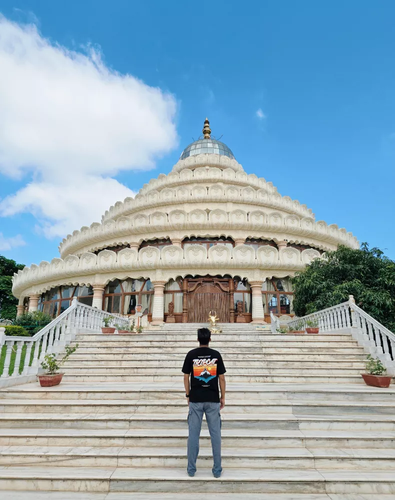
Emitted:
pixel 302 92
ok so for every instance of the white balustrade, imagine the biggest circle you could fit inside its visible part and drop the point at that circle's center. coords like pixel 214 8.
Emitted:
pixel 374 337
pixel 275 323
pixel 52 338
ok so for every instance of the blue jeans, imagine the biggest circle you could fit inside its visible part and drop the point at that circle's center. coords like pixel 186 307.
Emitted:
pixel 195 418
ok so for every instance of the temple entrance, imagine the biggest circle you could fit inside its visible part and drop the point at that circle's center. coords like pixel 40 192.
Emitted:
pixel 209 294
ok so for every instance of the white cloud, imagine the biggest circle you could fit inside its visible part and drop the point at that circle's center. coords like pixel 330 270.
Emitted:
pixel 260 114
pixel 73 122
pixel 62 208
pixel 9 243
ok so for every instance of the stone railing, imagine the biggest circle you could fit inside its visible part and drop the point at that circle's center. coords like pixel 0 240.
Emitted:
pixel 27 353
pixel 133 263
pixel 275 323
pixel 376 339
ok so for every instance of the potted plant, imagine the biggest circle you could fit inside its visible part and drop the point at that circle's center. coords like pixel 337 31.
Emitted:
pixel 107 322
pixel 297 329
pixel 52 366
pixel 282 329
pixel 312 326
pixel 139 329
pixel 375 375
pixel 122 329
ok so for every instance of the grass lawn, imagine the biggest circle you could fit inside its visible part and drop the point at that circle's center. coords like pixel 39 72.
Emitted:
pixel 13 356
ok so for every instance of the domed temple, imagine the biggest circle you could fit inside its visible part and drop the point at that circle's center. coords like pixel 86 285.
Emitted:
pixel 207 236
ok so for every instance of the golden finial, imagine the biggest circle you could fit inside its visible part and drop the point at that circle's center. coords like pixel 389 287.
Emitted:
pixel 206 129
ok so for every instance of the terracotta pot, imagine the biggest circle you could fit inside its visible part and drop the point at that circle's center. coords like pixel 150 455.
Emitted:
pixel 297 332
pixel 376 380
pixel 312 330
pixel 124 331
pixel 50 380
pixel 107 330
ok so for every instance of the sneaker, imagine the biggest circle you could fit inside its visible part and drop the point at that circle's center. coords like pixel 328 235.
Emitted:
pixel 191 474
pixel 217 475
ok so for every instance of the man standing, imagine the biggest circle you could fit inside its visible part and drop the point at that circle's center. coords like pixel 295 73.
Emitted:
pixel 203 368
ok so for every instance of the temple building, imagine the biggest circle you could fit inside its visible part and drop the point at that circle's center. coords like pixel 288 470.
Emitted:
pixel 207 236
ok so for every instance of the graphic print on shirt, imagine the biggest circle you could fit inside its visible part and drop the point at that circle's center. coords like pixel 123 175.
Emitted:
pixel 205 369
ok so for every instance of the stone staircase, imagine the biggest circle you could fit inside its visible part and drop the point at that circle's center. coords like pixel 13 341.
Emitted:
pixel 299 423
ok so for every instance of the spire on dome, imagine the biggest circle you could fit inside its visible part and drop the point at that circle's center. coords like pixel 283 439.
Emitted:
pixel 206 129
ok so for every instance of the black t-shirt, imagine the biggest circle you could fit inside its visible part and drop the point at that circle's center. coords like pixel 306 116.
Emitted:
pixel 204 365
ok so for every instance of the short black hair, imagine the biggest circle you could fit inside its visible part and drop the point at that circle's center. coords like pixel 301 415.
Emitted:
pixel 204 336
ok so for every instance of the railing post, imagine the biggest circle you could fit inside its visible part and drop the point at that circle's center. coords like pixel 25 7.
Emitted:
pixel 35 361
pixel 26 367
pixel 19 346
pixel 7 361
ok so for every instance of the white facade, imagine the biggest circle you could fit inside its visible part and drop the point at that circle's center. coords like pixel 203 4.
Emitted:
pixel 205 196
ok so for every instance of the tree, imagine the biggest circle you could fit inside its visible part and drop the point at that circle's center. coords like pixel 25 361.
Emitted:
pixel 8 302
pixel 365 273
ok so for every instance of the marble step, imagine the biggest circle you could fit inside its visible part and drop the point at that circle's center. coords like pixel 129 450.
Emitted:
pixel 102 355
pixel 94 377
pixel 170 480
pixel 240 392
pixel 275 458
pixel 230 421
pixel 222 338
pixel 70 495
pixel 315 408
pixel 224 351
pixel 231 370
pixel 231 438
pixel 255 363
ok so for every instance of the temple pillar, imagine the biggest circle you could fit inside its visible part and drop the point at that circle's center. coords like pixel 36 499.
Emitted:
pixel 134 245
pixel 158 312
pixel 258 315
pixel 231 301
pixel 98 291
pixel 185 300
pixel 282 244
pixel 176 242
pixel 20 308
pixel 33 302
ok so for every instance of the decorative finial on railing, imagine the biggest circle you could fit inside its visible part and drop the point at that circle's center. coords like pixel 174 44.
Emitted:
pixel 206 129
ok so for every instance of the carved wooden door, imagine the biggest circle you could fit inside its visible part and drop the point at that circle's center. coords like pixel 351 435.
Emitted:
pixel 206 297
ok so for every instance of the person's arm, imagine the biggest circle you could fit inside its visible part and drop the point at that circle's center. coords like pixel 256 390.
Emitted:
pixel 222 386
pixel 186 385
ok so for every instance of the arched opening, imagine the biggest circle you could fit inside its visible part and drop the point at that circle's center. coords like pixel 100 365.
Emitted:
pixel 122 297
pixel 242 301
pixel 277 297
pixel 58 299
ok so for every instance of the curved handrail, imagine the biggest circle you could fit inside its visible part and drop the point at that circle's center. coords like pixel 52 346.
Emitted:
pixel 28 352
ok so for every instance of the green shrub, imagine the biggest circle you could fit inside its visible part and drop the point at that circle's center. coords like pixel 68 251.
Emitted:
pixel 33 322
pixel 16 331
pixel 51 365
pixel 312 323
pixel 374 366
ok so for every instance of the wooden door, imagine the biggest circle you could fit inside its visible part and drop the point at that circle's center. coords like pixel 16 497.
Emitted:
pixel 206 297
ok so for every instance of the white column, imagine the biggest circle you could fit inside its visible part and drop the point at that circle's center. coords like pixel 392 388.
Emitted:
pixel 98 291
pixel 258 315
pixel 33 303
pixel 158 305
pixel 20 307
pixel 282 244
pixel 176 242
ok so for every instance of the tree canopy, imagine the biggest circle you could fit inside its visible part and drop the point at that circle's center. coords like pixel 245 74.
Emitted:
pixel 8 302
pixel 365 273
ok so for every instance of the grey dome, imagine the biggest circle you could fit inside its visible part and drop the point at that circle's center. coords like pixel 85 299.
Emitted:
pixel 207 146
